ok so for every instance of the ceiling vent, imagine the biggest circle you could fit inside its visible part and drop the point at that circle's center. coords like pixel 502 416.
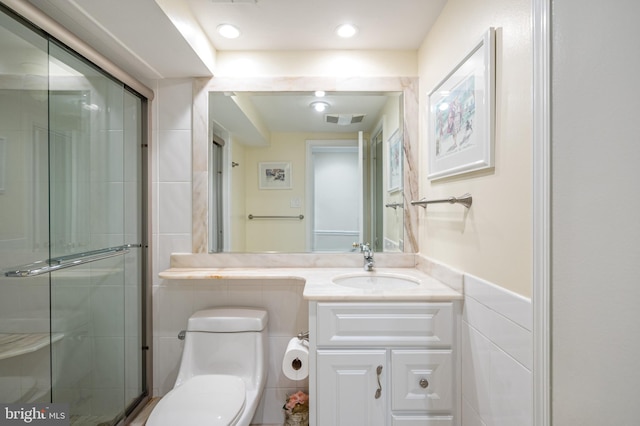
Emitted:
pixel 344 119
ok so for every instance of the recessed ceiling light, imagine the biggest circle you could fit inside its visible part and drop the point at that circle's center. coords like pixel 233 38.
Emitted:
pixel 319 106
pixel 228 31
pixel 346 30
pixel 320 93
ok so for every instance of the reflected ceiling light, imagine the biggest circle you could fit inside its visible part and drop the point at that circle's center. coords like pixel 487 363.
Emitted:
pixel 346 30
pixel 228 31
pixel 319 106
pixel 320 93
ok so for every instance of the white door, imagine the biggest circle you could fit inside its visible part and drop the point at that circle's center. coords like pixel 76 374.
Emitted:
pixel 334 188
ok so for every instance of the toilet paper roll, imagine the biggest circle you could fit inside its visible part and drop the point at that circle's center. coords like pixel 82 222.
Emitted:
pixel 295 363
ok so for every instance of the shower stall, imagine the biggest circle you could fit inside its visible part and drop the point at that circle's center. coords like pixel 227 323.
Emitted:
pixel 73 244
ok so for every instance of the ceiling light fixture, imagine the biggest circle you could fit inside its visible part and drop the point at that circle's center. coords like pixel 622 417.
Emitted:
pixel 228 31
pixel 319 106
pixel 320 93
pixel 346 30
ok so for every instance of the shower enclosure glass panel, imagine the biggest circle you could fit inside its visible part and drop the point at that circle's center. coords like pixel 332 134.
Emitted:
pixel 95 202
pixel 72 252
pixel 24 224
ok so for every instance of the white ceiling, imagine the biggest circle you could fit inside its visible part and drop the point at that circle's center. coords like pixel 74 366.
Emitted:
pixel 154 39
pixel 141 35
pixel 310 24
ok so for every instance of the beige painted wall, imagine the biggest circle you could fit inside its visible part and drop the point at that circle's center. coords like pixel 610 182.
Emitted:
pixel 317 63
pixel 286 235
pixel 493 240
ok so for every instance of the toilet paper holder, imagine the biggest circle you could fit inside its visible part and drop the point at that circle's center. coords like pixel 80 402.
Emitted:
pixel 304 335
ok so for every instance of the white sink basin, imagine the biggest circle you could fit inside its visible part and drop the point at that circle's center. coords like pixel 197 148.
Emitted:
pixel 376 281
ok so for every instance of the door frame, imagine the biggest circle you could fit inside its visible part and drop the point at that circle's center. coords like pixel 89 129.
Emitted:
pixel 541 151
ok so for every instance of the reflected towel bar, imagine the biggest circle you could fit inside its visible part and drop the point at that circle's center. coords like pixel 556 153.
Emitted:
pixel 465 200
pixel 51 265
pixel 395 205
pixel 275 217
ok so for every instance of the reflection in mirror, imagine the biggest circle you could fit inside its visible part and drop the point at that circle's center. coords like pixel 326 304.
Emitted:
pixel 287 177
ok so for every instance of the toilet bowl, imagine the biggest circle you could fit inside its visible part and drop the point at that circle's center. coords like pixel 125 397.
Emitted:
pixel 222 372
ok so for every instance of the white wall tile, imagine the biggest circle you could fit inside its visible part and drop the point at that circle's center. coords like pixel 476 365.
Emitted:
pixel 470 417
pixel 507 335
pixel 511 305
pixel 172 307
pixel 174 156
pixel 282 301
pixel 496 352
pixel 209 294
pixel 174 104
pixel 174 216
pixel 168 244
pixel 168 352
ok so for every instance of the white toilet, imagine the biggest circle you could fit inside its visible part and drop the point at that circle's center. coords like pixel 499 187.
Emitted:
pixel 222 373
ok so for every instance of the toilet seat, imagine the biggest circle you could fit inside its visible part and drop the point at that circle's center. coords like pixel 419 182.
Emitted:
pixel 210 399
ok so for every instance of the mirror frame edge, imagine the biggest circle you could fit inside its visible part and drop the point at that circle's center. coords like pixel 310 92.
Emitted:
pixel 200 136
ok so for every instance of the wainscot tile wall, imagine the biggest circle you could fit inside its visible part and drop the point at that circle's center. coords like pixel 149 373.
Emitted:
pixel 176 300
pixel 497 356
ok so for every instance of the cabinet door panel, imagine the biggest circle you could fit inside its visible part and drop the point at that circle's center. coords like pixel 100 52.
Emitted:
pixel 347 382
pixel 409 368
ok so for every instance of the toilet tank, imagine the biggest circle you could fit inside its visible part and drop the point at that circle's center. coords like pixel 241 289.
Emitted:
pixel 226 341
pixel 228 320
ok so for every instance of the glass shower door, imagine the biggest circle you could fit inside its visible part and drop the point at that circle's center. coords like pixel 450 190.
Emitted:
pixel 71 231
pixel 24 224
pixel 95 214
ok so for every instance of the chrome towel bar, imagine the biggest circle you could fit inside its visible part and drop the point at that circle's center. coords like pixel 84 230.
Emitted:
pixel 51 265
pixel 395 205
pixel 465 200
pixel 251 217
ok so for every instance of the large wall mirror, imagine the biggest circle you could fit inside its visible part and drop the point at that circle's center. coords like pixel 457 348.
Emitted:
pixel 274 174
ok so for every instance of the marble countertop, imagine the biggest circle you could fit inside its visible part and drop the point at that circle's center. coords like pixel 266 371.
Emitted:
pixel 318 284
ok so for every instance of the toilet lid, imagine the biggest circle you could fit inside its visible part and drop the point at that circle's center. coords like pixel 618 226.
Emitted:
pixel 212 400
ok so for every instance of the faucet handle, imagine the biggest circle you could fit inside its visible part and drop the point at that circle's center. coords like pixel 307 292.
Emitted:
pixel 362 246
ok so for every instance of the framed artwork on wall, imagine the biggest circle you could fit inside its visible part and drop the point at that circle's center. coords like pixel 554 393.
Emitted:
pixel 462 114
pixel 274 175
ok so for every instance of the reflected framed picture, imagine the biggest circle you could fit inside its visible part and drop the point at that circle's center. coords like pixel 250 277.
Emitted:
pixel 395 162
pixel 274 175
pixel 462 114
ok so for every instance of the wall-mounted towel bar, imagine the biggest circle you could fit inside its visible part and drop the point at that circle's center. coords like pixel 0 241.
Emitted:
pixel 465 200
pixel 251 217
pixel 395 205
pixel 62 262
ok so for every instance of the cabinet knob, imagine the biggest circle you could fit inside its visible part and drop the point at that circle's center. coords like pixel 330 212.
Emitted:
pixel 424 383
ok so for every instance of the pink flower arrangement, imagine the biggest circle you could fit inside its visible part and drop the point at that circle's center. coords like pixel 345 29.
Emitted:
pixel 297 403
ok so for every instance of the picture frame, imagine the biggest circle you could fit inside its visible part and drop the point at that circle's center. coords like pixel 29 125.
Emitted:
pixel 394 160
pixel 461 114
pixel 274 175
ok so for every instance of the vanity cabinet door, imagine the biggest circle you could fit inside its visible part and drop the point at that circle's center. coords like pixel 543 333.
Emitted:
pixel 422 380
pixel 348 382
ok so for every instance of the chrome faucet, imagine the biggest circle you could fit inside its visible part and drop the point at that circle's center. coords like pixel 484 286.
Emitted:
pixel 368 255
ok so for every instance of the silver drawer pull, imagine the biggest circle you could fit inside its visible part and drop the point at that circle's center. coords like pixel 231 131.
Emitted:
pixel 379 390
pixel 423 383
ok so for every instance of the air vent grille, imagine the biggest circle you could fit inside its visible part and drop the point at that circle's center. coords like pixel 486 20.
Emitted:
pixel 344 119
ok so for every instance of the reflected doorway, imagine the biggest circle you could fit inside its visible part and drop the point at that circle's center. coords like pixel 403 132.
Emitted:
pixel 334 185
